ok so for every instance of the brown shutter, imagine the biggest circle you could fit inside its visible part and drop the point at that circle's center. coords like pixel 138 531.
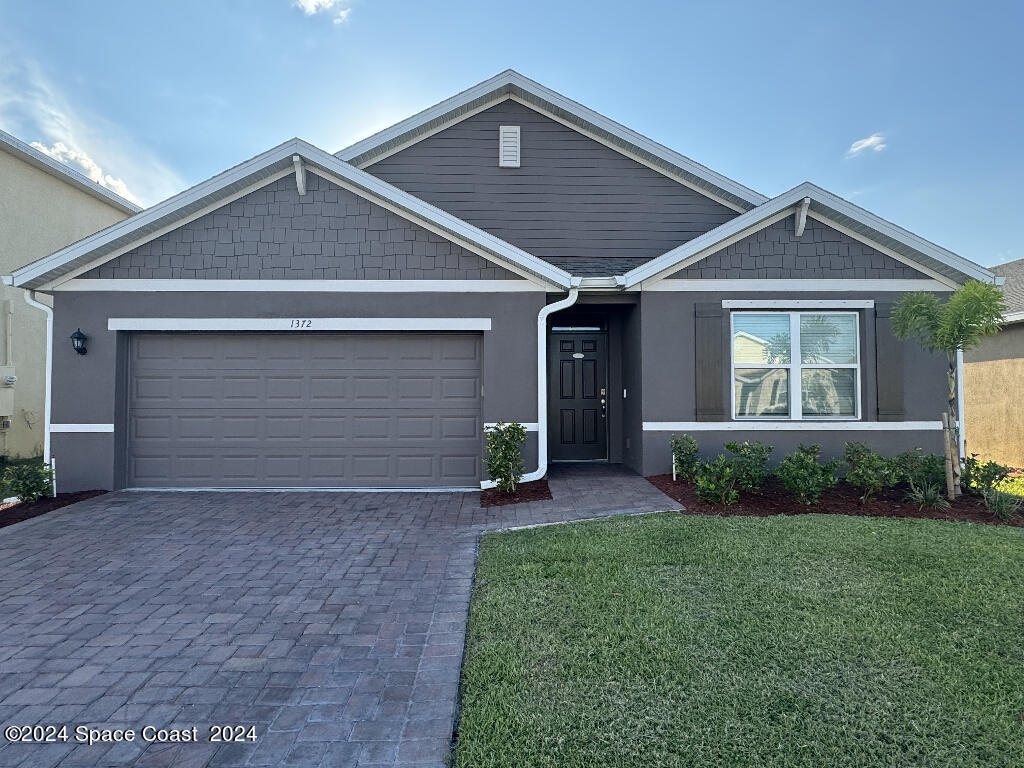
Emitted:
pixel 888 366
pixel 709 352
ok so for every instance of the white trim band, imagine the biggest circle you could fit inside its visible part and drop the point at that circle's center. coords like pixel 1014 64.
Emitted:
pixel 81 427
pixel 792 426
pixel 804 285
pixel 798 303
pixel 530 426
pixel 310 286
pixel 299 324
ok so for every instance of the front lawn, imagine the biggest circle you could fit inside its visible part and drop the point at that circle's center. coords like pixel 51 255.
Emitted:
pixel 675 640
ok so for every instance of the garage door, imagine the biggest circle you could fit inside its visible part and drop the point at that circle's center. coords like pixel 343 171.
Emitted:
pixel 285 410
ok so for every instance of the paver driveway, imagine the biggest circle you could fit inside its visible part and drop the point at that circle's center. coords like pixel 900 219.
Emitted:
pixel 333 623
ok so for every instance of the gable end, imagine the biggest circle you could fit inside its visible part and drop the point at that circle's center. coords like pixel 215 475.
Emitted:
pixel 329 233
pixel 775 252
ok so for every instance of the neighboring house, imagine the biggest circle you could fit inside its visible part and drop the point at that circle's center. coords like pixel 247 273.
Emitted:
pixel 44 205
pixel 994 380
pixel 354 320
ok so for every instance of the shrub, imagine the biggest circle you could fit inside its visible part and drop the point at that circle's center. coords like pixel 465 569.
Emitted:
pixel 715 481
pixel 980 476
pixel 504 454
pixel 855 453
pixel 750 461
pixel 684 457
pixel 870 471
pixel 920 469
pixel 29 482
pixel 1001 504
pixel 927 494
pixel 804 477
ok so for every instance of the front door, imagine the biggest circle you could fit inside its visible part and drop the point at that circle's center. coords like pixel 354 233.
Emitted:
pixel 578 400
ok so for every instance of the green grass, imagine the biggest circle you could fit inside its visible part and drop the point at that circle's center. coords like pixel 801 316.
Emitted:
pixel 813 641
pixel 1014 485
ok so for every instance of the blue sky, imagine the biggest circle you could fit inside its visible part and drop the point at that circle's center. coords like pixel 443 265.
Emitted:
pixel 153 97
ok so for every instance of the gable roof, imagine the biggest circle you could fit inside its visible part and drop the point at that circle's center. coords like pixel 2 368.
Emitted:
pixel 511 84
pixel 835 211
pixel 29 154
pixel 260 170
pixel 1013 288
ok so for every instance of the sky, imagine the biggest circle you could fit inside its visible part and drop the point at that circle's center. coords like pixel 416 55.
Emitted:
pixel 913 110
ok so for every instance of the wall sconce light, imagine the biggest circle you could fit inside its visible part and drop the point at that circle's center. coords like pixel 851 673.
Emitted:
pixel 78 341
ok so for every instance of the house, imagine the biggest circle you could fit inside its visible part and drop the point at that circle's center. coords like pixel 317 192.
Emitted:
pixel 355 320
pixel 44 205
pixel 994 380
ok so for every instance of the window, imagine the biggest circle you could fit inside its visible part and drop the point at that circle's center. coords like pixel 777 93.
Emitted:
pixel 796 365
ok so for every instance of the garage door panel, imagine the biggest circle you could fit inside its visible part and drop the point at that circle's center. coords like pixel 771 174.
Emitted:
pixel 270 410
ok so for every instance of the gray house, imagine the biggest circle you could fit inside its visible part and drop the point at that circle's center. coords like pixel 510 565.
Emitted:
pixel 355 320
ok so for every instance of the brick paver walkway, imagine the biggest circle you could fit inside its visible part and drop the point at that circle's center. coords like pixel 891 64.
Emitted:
pixel 333 623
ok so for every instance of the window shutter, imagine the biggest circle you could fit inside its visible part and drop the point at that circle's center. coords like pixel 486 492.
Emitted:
pixel 888 366
pixel 709 351
pixel 508 146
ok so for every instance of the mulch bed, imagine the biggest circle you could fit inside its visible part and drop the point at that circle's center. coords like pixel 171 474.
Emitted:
pixel 17 512
pixel 774 499
pixel 536 491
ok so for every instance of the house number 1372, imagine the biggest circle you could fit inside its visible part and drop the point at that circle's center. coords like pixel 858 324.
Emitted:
pixel 301 324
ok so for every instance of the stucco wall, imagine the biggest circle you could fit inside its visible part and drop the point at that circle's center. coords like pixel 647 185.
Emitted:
pixel 39 214
pixel 89 389
pixel 994 397
pixel 668 338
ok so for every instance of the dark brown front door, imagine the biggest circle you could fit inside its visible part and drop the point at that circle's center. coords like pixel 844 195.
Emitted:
pixel 578 378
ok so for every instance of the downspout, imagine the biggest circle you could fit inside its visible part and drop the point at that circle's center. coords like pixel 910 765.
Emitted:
pixel 961 433
pixel 542 384
pixel 49 369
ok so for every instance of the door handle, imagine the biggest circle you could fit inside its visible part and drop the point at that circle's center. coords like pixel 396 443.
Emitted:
pixel 604 407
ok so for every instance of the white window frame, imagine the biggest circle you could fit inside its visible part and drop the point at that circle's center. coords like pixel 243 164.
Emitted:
pixel 796 409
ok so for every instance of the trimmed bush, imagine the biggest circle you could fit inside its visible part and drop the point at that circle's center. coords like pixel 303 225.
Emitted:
pixel 750 460
pixel 870 471
pixel 29 482
pixel 504 454
pixel 917 468
pixel 981 476
pixel 804 477
pixel 715 481
pixel 684 457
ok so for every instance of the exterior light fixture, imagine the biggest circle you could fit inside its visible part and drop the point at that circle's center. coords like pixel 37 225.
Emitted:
pixel 78 341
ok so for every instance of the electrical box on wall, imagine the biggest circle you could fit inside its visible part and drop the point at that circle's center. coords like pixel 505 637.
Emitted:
pixel 7 381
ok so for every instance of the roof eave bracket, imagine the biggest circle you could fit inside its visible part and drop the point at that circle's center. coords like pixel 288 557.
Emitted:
pixel 300 174
pixel 801 216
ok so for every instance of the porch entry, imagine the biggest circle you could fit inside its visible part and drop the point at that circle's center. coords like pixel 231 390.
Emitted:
pixel 578 392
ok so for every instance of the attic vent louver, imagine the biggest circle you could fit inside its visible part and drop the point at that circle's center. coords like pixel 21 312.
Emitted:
pixel 508 146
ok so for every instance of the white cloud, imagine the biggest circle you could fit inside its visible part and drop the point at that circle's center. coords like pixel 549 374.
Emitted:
pixel 339 9
pixel 875 143
pixel 38 112
pixel 82 162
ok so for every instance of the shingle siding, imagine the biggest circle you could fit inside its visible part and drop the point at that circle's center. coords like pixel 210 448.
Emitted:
pixel 572 197
pixel 776 252
pixel 274 233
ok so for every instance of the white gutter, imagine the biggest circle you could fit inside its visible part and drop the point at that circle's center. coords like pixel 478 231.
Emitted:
pixel 542 385
pixel 49 369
